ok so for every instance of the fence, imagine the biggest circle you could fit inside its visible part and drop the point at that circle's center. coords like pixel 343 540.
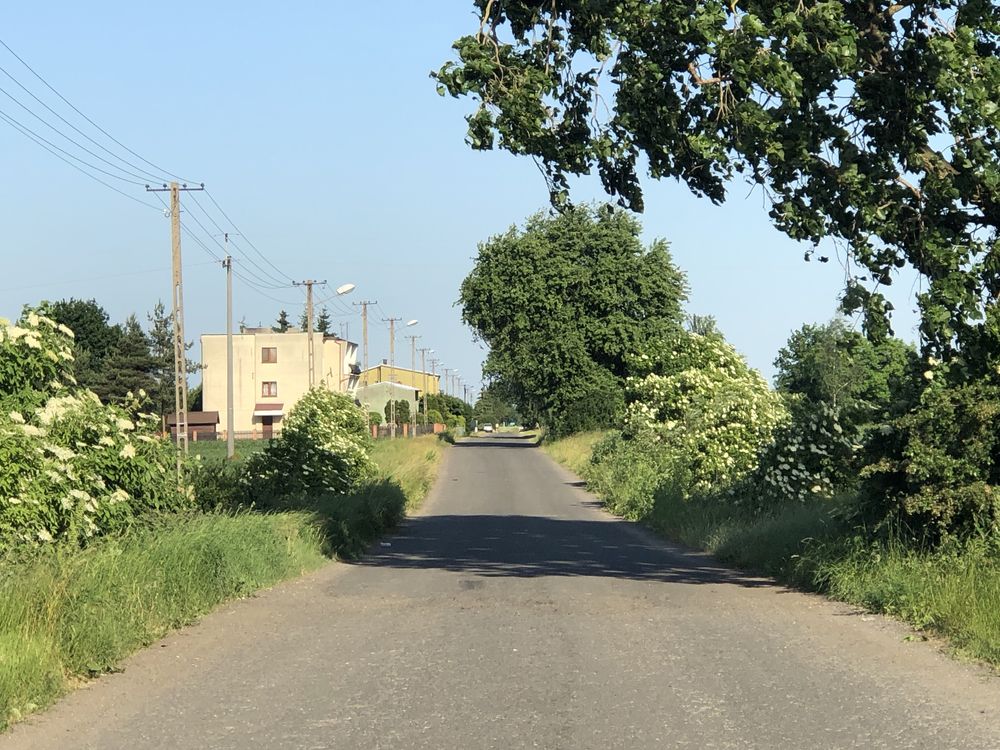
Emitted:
pixel 383 432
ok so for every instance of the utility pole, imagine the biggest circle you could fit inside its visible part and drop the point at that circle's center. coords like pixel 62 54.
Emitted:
pixel 364 335
pixel 392 374
pixel 423 369
pixel 413 368
pixel 177 298
pixel 230 438
pixel 308 284
pixel 446 371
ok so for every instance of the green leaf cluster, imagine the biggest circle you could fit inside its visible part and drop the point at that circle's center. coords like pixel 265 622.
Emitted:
pixel 562 304
pixel 875 124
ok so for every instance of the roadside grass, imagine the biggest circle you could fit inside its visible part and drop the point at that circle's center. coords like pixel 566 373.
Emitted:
pixel 952 592
pixel 411 463
pixel 211 450
pixel 69 614
pixel 574 451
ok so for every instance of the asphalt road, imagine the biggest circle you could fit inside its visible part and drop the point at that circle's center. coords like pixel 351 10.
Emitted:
pixel 514 613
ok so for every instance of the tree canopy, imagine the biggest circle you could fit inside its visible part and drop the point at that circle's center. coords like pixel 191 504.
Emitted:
pixel 872 123
pixel 562 303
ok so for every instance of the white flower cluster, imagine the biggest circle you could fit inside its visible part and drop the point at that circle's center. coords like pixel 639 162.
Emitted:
pixel 323 448
pixel 70 467
pixel 701 402
pixel 804 461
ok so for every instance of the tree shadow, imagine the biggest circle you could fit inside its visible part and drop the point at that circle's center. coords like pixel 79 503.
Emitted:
pixel 535 546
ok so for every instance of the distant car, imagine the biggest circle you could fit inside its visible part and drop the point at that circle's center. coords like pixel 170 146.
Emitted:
pixel 487 428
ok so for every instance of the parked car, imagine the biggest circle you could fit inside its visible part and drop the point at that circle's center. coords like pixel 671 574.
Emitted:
pixel 487 428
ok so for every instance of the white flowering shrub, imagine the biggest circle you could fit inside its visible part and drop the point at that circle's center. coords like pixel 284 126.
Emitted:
pixel 811 457
pixel 708 411
pixel 323 448
pixel 35 360
pixel 70 467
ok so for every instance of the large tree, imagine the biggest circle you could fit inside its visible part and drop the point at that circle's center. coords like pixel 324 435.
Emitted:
pixel 129 368
pixel 562 304
pixel 94 337
pixel 874 123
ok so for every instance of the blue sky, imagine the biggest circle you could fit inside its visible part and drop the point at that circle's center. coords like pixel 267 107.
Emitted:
pixel 317 129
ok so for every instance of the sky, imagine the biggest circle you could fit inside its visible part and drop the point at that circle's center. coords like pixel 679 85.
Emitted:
pixel 316 128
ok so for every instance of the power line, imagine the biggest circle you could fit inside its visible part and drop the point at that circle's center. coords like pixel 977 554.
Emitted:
pixel 158 178
pixel 24 128
pixel 38 141
pixel 71 106
pixel 76 143
pixel 253 246
pixel 264 283
pixel 264 273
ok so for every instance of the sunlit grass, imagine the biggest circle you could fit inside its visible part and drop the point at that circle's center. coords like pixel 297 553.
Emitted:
pixel 574 451
pixel 70 613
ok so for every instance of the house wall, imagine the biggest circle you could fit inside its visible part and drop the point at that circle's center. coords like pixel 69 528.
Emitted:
pixel 332 362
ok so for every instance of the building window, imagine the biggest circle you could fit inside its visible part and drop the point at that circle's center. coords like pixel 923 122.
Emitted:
pixel 269 388
pixel 269 354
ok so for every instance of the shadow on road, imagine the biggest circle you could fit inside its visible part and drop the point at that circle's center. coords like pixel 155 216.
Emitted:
pixel 497 441
pixel 532 546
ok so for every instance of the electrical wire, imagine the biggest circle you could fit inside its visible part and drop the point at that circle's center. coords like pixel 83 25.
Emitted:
pixel 76 143
pixel 53 150
pixel 24 128
pixel 263 272
pixel 29 92
pixel 264 284
pixel 253 246
pixel 259 281
pixel 71 106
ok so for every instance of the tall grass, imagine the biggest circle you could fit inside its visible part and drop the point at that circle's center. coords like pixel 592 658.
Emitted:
pixel 954 592
pixel 574 451
pixel 411 463
pixel 66 614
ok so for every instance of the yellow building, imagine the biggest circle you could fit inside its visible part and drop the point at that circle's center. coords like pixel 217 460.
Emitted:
pixel 383 373
pixel 270 374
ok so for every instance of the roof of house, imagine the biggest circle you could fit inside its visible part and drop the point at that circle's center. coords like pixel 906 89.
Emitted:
pixel 196 418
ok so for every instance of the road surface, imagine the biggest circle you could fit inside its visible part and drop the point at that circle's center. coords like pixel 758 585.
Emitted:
pixel 514 613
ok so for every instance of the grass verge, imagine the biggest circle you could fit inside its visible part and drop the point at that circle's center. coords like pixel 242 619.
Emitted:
pixel 574 451
pixel 72 614
pixel 952 592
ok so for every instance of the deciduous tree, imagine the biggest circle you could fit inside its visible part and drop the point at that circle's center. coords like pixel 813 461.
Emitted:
pixel 872 123
pixel 562 304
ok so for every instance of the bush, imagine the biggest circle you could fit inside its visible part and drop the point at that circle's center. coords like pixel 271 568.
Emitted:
pixel 70 467
pixel 704 409
pixel 936 469
pixel 374 418
pixel 812 457
pixel 323 448
pixel 434 417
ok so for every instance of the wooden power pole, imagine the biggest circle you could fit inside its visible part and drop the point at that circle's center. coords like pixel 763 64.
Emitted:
pixel 310 344
pixel 413 368
pixel 177 301
pixel 423 369
pixel 230 419
pixel 364 335
pixel 392 373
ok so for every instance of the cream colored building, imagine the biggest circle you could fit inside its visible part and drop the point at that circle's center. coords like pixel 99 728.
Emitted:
pixel 270 374
pixel 418 379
